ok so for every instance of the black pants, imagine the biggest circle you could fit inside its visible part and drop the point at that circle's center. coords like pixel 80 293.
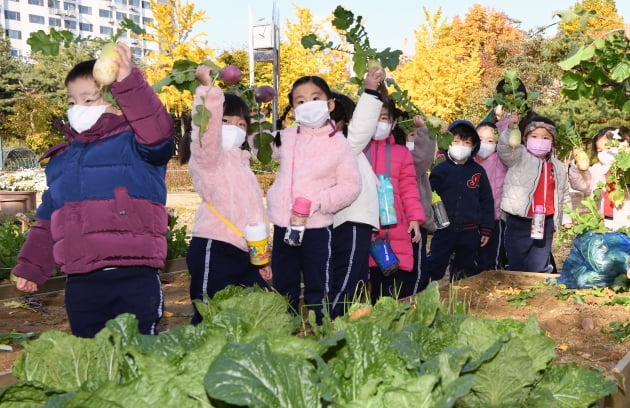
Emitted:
pixel 350 254
pixel 96 297
pixel 523 252
pixel 447 242
pixel 420 263
pixel 213 265
pixel 310 261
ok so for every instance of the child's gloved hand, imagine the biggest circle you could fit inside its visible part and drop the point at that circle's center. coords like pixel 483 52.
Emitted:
pixel 374 78
pixel 418 121
pixel 125 64
pixel 202 73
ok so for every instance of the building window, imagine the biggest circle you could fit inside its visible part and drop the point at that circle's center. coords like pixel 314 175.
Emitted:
pixel 107 30
pixel 134 3
pixel 15 53
pixel 36 2
pixel 56 4
pixel 15 34
pixel 85 27
pixel 85 10
pixel 135 18
pixel 120 16
pixel 146 20
pixel 33 18
pixel 121 1
pixel 105 13
pixel 54 22
pixel 146 5
pixel 70 25
pixel 69 7
pixel 136 51
pixel 12 15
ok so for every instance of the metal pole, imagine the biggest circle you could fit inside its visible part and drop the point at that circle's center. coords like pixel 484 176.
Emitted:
pixel 251 47
pixel 276 63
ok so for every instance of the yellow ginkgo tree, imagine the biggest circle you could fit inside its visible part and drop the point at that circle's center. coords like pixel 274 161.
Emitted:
pixel 441 72
pixel 172 30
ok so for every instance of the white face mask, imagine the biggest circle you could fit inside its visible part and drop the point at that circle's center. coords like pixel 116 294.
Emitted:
pixel 83 117
pixel 232 137
pixel 486 149
pixel 383 129
pixel 459 152
pixel 410 146
pixel 312 114
pixel 606 157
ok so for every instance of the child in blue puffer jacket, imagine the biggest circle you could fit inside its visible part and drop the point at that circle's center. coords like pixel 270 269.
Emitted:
pixel 103 218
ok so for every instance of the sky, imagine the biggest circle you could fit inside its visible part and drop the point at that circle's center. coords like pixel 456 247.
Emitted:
pixel 388 23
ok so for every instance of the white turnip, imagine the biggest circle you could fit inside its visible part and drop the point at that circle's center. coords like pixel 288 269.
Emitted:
pixel 514 139
pixel 105 69
pixel 582 161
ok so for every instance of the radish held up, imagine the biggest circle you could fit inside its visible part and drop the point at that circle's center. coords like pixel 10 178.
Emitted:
pixel 514 139
pixel 437 123
pixel 106 69
pixel 264 94
pixel 582 161
pixel 373 62
pixel 231 75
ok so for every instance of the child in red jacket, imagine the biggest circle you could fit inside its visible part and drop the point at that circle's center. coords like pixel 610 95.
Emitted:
pixel 395 161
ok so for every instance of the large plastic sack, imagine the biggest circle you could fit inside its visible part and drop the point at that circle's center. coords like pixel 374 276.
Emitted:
pixel 596 260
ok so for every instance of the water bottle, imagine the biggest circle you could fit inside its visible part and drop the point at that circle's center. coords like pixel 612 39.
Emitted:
pixel 538 222
pixel 386 210
pixel 257 242
pixel 384 256
pixel 297 224
pixel 439 211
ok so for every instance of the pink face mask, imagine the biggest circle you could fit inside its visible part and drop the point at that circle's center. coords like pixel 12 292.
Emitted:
pixel 538 147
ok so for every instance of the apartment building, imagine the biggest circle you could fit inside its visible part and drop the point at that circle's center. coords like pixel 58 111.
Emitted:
pixel 85 18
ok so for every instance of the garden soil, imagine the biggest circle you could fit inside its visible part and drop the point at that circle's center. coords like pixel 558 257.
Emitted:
pixel 575 320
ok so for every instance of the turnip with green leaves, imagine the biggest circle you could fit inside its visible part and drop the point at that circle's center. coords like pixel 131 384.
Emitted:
pixel 106 69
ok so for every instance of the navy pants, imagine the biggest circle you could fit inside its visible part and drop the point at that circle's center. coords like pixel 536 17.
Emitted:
pixel 420 263
pixel 447 242
pixel 350 255
pixel 491 256
pixel 94 298
pixel 311 261
pixel 523 252
pixel 213 265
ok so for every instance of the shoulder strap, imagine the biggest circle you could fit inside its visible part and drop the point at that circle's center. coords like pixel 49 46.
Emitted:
pixel 388 158
pixel 225 220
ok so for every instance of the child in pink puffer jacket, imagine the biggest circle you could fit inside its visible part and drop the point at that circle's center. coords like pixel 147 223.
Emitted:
pixel 218 254
pixel 395 160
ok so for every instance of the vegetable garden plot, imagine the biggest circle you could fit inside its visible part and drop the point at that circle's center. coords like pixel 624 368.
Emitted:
pixel 423 354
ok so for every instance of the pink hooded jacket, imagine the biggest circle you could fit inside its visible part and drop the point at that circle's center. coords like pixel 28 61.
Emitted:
pixel 317 164
pixel 406 196
pixel 223 178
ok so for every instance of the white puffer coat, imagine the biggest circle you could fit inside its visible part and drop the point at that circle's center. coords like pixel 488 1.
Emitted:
pixel 522 177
